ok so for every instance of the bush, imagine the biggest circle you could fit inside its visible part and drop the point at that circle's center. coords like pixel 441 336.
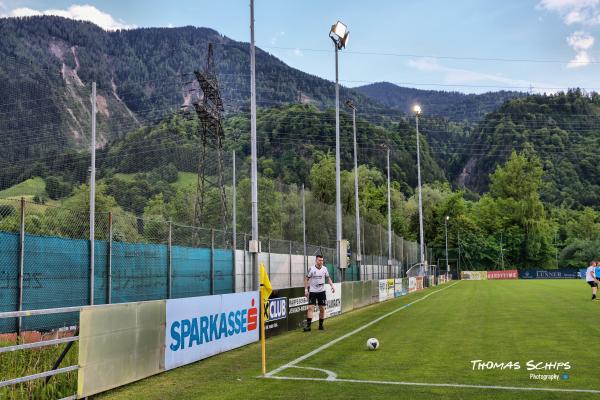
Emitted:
pixel 57 188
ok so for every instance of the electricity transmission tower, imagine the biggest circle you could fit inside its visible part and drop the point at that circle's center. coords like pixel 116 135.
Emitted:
pixel 209 110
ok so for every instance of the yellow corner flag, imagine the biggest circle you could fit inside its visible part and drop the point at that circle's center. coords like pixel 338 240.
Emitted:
pixel 265 292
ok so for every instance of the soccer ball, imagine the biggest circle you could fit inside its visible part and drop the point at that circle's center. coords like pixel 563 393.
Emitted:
pixel 372 344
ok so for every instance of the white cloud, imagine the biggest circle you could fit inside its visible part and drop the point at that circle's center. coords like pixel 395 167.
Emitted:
pixel 457 76
pixel 297 52
pixel 585 12
pixel 581 42
pixel 576 12
pixel 77 12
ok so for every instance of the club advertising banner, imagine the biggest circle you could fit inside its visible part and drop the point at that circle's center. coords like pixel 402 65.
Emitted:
pixel 334 302
pixel 386 289
pixel 473 275
pixel 298 305
pixel 404 286
pixel 398 287
pixel 505 274
pixel 276 320
pixel 200 327
pixel 412 284
pixel 419 283
pixel 563 273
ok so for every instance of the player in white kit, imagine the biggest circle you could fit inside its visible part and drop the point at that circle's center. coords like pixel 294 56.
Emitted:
pixel 314 289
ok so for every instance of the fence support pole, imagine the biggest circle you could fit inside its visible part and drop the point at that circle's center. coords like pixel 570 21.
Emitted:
pixel 21 264
pixel 291 263
pixel 304 229
pixel 245 244
pixel 234 222
pixel 269 254
pixel 109 259
pixel 212 261
pixel 170 263
pixel 93 194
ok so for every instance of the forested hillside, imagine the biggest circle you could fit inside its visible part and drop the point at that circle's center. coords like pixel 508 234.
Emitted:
pixel 561 129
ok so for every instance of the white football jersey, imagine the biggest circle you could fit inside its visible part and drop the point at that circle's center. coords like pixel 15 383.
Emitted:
pixel 316 278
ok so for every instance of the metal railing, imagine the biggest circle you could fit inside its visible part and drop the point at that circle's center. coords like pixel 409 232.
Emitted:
pixel 43 343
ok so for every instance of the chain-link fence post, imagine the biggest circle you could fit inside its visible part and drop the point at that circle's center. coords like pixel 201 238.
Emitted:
pixel 305 263
pixel 212 261
pixel 21 263
pixel 290 258
pixel 245 244
pixel 234 220
pixel 269 254
pixel 170 262
pixel 109 260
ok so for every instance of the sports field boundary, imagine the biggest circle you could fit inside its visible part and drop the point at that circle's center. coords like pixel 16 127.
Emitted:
pixel 425 384
pixel 332 376
pixel 351 333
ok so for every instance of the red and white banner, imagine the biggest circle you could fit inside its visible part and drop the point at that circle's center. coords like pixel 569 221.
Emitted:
pixel 505 274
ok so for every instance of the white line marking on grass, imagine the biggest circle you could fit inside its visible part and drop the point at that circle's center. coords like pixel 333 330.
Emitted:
pixel 365 326
pixel 451 385
pixel 331 376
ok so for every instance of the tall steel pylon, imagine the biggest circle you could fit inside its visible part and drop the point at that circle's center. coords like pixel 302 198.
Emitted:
pixel 209 109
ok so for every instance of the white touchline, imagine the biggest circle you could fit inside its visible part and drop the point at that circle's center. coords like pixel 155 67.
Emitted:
pixel 452 385
pixel 365 326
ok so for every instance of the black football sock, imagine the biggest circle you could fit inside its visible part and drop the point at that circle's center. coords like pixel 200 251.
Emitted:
pixel 320 322
pixel 308 321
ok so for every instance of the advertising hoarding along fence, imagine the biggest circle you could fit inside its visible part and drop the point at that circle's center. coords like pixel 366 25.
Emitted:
pixel 199 327
pixel 334 302
pixel 277 321
pixel 473 275
pixel 172 333
pixel 412 284
pixel 386 289
pixel 398 287
pixel 419 285
pixel 563 273
pixel 504 274
pixel 405 285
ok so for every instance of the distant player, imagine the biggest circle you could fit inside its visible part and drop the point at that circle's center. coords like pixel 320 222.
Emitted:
pixel 314 289
pixel 590 277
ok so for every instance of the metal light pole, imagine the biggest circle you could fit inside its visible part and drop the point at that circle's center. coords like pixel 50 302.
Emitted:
pixel 446 229
pixel 389 201
pixel 356 205
pixel 234 208
pixel 339 35
pixel 253 167
pixel 93 195
pixel 417 111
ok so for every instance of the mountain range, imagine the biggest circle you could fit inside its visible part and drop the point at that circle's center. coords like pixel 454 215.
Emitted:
pixel 48 64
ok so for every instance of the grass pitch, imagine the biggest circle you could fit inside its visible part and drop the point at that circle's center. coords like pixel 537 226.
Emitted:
pixel 427 350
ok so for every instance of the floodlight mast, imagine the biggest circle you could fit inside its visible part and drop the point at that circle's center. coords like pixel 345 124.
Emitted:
pixel 351 105
pixel 339 35
pixel 417 111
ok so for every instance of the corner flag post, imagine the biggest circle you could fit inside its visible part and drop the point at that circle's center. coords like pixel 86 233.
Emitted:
pixel 265 292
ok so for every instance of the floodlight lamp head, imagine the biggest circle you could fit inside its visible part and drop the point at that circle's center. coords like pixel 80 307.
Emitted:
pixel 417 109
pixel 350 104
pixel 447 218
pixel 339 34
